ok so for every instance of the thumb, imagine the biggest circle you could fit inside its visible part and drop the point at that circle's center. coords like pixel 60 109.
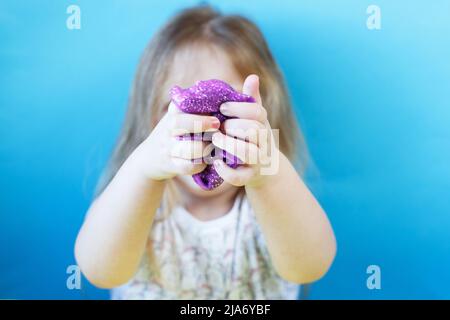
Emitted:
pixel 251 87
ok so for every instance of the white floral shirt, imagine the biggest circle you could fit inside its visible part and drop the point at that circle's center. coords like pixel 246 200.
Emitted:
pixel 224 258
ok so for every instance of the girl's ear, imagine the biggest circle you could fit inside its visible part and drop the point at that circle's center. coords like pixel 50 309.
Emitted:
pixel 251 87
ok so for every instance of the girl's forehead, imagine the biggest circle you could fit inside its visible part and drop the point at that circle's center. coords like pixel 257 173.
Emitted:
pixel 195 63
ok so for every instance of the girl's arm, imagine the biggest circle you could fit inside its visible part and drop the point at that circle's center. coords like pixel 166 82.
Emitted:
pixel 298 234
pixel 113 237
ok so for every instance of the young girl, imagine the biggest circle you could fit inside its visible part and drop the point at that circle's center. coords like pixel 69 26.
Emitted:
pixel 152 233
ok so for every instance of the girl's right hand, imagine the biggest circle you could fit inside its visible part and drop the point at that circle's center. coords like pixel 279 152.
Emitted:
pixel 162 155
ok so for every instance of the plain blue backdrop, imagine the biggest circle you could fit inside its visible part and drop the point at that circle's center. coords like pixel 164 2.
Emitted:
pixel 374 106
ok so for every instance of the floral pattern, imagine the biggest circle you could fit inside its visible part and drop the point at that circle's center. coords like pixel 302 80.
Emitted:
pixel 225 258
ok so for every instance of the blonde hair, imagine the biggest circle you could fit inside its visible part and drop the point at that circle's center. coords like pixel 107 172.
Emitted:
pixel 244 43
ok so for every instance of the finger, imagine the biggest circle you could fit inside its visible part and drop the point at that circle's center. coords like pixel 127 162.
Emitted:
pixel 173 108
pixel 243 129
pixel 251 87
pixel 246 152
pixel 184 123
pixel 244 110
pixel 186 167
pixel 236 177
pixel 188 149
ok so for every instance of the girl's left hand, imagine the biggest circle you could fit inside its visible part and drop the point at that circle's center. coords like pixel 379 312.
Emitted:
pixel 248 136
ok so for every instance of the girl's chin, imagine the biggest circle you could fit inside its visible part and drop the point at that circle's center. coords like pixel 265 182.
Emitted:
pixel 188 184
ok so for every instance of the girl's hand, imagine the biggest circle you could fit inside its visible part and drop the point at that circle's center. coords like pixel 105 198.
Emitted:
pixel 164 155
pixel 248 137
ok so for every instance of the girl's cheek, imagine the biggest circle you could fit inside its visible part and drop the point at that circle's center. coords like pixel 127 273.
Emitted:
pixel 187 183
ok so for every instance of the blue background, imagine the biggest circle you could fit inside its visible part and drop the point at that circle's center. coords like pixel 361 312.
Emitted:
pixel 374 106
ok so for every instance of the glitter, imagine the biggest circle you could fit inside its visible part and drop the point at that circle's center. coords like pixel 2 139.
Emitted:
pixel 205 98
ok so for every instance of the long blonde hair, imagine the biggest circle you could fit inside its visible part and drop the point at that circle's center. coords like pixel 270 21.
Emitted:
pixel 244 43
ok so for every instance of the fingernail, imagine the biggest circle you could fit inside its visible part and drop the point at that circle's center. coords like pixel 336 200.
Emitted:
pixel 224 108
pixel 216 123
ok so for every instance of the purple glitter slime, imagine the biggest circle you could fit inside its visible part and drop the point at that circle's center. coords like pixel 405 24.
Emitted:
pixel 205 98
